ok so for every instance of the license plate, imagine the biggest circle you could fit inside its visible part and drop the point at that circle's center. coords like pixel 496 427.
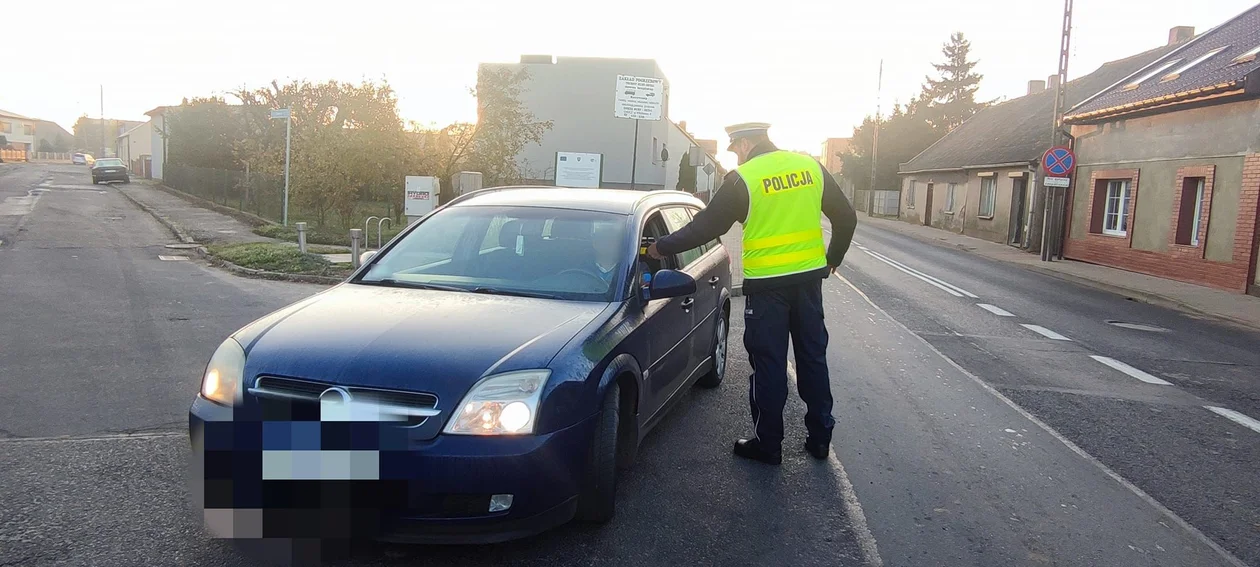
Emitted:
pixel 321 465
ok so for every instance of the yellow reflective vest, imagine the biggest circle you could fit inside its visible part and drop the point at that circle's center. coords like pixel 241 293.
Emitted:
pixel 783 231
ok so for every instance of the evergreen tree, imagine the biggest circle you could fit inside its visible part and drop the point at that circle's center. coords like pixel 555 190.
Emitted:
pixel 951 99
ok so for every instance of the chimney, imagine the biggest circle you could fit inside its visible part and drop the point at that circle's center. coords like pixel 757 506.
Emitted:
pixel 1180 34
pixel 1052 82
pixel 1035 87
pixel 682 125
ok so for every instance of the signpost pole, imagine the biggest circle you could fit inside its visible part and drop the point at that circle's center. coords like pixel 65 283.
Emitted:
pixel 634 155
pixel 288 128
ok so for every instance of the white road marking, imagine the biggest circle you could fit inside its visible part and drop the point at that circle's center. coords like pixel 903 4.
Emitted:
pixel 1236 417
pixel 852 506
pixel 166 258
pixel 93 438
pixel 912 274
pixel 958 291
pixel 1151 501
pixel 1047 333
pixel 1131 371
pixel 995 310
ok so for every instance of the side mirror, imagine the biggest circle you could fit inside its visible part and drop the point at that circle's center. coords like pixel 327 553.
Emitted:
pixel 364 257
pixel 671 283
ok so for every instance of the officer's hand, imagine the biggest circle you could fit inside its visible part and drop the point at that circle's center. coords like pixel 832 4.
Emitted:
pixel 654 253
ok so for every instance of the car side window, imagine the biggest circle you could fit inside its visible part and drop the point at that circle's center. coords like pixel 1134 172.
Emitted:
pixel 711 245
pixel 676 218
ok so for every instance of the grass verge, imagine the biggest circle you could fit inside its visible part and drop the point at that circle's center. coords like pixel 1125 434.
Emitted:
pixel 278 258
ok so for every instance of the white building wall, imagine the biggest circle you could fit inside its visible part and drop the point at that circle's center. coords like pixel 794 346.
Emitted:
pixel 15 131
pixel 577 94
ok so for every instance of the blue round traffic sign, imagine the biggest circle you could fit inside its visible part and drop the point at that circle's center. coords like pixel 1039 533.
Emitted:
pixel 1058 162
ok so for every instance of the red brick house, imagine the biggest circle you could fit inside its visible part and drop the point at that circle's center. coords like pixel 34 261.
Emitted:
pixel 1169 176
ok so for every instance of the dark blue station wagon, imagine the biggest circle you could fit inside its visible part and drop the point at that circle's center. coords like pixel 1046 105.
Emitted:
pixel 482 378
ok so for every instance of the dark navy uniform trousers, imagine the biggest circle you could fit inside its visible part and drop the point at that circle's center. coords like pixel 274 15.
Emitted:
pixel 770 318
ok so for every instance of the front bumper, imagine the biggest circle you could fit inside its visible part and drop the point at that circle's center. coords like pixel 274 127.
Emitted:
pixel 397 487
pixel 110 176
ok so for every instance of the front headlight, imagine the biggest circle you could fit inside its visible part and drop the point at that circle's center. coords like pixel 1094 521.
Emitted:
pixel 504 404
pixel 225 373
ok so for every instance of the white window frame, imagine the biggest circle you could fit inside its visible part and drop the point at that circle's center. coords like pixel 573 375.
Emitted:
pixel 1188 66
pixel 910 195
pixel 1198 211
pixel 949 197
pixel 1138 82
pixel 988 188
pixel 1117 209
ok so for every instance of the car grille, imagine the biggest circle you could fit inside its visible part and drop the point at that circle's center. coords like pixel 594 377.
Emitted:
pixel 306 392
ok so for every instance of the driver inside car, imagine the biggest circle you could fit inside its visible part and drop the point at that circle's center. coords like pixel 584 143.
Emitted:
pixel 606 239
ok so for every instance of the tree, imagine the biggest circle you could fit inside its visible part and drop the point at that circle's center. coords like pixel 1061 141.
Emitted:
pixel 4 142
pixel 203 133
pixel 504 124
pixel 686 175
pixel 951 99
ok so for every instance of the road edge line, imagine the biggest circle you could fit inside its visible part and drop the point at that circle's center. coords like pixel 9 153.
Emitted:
pixel 852 506
pixel 92 438
pixel 1141 494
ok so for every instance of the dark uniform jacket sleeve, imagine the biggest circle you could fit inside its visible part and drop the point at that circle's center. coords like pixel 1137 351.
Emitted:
pixel 843 220
pixel 729 206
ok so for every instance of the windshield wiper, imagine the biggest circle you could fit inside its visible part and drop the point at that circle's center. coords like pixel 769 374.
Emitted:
pixel 391 282
pixel 513 293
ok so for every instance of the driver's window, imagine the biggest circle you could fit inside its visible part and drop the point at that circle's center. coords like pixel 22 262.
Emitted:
pixel 653 229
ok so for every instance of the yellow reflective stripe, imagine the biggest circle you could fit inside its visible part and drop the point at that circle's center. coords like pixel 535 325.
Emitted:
pixel 782 239
pixel 815 253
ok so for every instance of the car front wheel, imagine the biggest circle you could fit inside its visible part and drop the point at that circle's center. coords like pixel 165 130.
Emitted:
pixel 713 378
pixel 599 492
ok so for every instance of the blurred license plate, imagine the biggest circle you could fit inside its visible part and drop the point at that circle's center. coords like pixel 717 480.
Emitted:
pixel 321 465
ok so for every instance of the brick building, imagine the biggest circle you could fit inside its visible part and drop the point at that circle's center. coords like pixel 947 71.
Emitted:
pixel 1169 176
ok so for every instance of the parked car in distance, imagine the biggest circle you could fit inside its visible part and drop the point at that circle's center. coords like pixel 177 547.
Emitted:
pixel 482 378
pixel 105 170
pixel 82 159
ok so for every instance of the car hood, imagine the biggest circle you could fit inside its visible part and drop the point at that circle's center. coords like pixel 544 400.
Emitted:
pixel 408 339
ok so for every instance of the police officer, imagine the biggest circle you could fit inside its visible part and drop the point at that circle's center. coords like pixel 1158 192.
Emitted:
pixel 779 197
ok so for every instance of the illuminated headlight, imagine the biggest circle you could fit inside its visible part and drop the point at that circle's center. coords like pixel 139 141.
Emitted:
pixel 222 381
pixel 505 404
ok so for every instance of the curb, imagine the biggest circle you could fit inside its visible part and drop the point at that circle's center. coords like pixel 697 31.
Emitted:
pixel 1133 294
pixel 737 290
pixel 205 254
pixel 264 274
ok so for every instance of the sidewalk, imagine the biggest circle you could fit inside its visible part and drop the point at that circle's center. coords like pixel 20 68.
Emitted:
pixel 1237 308
pixel 192 222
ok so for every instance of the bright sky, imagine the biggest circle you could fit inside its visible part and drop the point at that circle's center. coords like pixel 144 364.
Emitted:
pixel 809 67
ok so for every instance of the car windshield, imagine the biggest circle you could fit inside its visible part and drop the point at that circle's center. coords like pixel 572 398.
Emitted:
pixel 541 252
pixel 109 161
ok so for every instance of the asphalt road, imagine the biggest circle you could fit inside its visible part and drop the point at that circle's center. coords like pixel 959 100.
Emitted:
pixel 103 343
pixel 1158 436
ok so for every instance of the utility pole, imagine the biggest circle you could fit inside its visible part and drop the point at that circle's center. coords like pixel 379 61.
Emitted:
pixel 634 155
pixel 870 197
pixel 1053 223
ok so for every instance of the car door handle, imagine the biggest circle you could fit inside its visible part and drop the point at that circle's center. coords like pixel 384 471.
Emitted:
pixel 713 281
pixel 687 303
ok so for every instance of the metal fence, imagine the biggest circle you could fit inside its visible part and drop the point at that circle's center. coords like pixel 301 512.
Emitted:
pixel 886 203
pixel 255 193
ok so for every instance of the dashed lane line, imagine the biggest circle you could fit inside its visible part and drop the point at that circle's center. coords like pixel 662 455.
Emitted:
pixel 1131 371
pixel 995 310
pixel 1047 333
pixel 1236 417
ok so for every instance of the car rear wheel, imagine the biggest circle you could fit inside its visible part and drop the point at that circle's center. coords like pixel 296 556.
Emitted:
pixel 713 378
pixel 599 492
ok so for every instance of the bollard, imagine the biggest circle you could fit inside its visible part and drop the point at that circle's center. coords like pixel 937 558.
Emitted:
pixel 356 244
pixel 301 228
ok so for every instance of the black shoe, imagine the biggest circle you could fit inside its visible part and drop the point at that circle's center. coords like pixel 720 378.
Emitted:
pixel 752 449
pixel 818 449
